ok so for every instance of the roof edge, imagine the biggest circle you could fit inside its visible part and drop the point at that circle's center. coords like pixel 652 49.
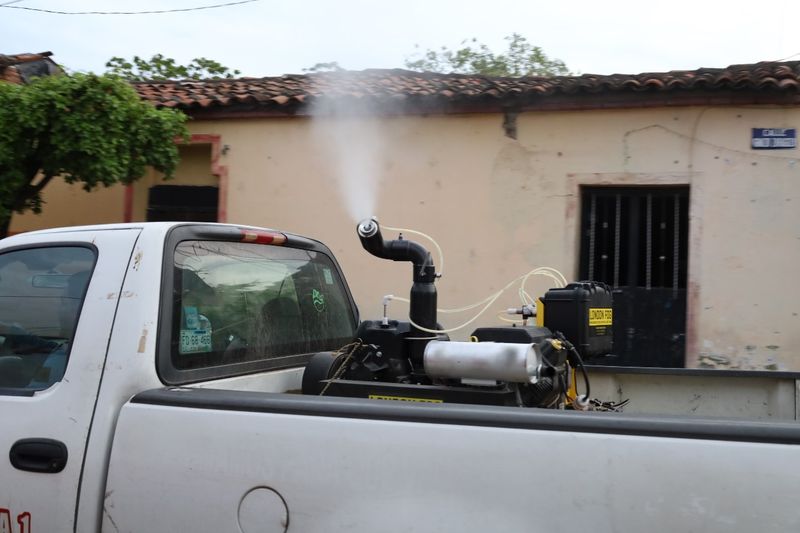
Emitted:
pixel 407 92
pixel 592 102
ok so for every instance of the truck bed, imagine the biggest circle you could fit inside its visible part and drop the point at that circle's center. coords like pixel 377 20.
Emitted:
pixel 742 394
pixel 271 460
pixel 699 392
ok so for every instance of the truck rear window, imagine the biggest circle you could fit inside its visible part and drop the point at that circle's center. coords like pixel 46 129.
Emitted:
pixel 238 302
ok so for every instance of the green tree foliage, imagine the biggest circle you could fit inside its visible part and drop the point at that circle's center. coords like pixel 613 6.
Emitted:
pixel 88 129
pixel 520 59
pixel 160 68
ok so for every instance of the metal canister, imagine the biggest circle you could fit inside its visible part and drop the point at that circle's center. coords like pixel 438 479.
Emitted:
pixel 499 361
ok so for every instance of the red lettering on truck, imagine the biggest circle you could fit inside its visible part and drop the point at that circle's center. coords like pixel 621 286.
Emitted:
pixel 23 521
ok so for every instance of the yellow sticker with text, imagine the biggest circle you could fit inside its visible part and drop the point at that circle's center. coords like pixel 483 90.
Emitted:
pixel 403 399
pixel 600 316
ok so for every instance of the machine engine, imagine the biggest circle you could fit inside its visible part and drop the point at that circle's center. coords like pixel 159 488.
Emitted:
pixel 525 366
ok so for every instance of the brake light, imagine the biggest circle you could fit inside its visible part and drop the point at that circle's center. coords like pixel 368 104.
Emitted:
pixel 263 237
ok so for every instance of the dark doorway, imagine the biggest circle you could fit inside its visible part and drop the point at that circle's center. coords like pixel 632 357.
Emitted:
pixel 636 240
pixel 182 203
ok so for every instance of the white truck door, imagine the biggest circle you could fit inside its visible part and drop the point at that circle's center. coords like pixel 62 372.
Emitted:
pixel 58 298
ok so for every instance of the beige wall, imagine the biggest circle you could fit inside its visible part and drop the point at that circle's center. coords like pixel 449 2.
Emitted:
pixel 500 207
pixel 70 205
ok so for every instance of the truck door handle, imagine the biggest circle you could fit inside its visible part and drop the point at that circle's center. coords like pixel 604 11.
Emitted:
pixel 45 456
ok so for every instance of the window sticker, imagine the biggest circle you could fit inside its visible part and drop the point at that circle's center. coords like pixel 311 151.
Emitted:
pixel 319 300
pixel 196 333
pixel 195 340
pixel 192 317
pixel 328 276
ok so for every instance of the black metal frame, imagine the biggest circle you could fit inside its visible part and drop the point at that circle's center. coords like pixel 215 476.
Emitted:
pixel 636 240
pixel 202 206
pixel 630 269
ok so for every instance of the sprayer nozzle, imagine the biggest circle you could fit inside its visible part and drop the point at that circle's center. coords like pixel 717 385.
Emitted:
pixel 368 227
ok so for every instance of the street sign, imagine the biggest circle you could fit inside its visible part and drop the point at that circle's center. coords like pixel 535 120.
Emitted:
pixel 773 138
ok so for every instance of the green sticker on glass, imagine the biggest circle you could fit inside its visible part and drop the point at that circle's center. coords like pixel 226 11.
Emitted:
pixel 319 300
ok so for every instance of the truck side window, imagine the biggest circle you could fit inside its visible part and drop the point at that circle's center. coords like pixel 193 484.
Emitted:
pixel 240 302
pixel 41 293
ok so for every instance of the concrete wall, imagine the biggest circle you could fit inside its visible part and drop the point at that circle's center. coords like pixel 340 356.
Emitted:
pixel 500 207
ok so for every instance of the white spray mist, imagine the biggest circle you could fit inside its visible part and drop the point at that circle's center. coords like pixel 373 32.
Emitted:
pixel 348 132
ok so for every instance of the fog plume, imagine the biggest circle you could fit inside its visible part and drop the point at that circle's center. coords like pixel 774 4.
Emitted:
pixel 348 132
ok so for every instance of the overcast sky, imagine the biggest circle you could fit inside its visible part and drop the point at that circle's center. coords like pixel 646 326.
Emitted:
pixel 272 37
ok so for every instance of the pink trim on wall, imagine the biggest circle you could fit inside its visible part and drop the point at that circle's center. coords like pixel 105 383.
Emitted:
pixel 220 171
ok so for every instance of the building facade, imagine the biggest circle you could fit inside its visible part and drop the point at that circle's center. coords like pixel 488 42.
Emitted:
pixel 678 189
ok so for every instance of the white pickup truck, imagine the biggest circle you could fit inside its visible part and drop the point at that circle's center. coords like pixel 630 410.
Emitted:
pixel 151 379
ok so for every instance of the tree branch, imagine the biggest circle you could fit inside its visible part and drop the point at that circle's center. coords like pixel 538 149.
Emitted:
pixel 42 183
pixel 30 191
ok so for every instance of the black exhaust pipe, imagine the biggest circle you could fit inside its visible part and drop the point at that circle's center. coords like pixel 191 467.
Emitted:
pixel 422 309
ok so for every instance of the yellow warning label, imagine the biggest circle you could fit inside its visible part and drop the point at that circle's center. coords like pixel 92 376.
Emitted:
pixel 600 316
pixel 403 399
pixel 539 312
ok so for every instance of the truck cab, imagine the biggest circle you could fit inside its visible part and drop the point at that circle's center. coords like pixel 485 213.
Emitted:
pixel 89 316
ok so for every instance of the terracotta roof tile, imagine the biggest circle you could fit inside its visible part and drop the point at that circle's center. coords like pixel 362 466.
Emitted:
pixel 21 68
pixel 291 92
